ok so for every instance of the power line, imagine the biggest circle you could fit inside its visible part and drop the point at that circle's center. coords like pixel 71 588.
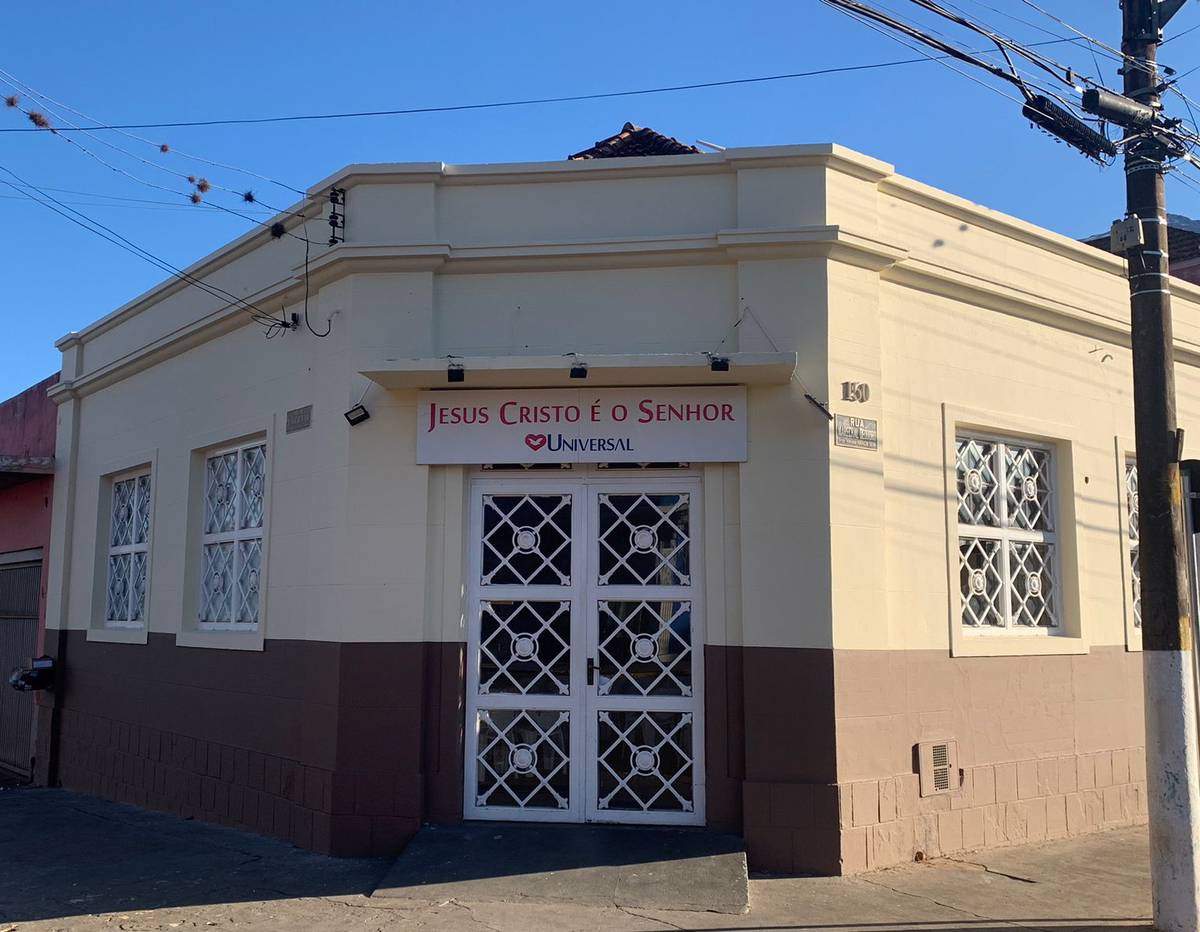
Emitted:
pixel 1117 53
pixel 877 21
pixel 493 105
pixel 206 211
pixel 201 185
pixel 156 145
pixel 104 232
pixel 17 84
pixel 131 200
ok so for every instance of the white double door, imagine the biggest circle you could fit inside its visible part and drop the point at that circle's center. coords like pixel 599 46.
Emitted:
pixel 585 656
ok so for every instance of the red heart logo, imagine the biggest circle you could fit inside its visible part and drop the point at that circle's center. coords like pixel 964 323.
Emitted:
pixel 535 441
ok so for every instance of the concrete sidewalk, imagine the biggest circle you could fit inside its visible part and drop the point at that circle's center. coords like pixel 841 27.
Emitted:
pixel 71 862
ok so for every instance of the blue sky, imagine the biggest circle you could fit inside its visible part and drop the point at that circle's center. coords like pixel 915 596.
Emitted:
pixel 142 62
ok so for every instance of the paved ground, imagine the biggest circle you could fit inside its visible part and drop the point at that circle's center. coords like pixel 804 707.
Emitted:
pixel 585 865
pixel 70 862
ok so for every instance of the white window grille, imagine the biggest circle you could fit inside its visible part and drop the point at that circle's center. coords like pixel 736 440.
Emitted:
pixel 231 555
pixel 1007 540
pixel 128 551
pixel 1131 525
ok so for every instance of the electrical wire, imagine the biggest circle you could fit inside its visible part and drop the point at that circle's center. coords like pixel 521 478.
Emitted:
pixel 1120 55
pixel 192 197
pixel 104 232
pixel 1117 53
pixel 203 209
pixel 870 17
pixel 19 85
pixel 1179 35
pixel 132 200
pixel 328 323
pixel 867 14
pixel 493 105
pixel 863 14
pixel 1002 42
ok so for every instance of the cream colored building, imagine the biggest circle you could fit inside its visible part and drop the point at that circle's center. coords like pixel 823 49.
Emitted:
pixel 274 619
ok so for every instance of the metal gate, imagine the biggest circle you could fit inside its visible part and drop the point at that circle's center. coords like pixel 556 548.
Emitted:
pixel 20 591
pixel 584 693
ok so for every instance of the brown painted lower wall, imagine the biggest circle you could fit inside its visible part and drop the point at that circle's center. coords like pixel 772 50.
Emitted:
pixel 347 748
pixel 1049 747
pixel 326 745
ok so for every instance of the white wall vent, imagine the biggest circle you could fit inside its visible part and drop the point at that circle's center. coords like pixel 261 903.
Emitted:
pixel 937 764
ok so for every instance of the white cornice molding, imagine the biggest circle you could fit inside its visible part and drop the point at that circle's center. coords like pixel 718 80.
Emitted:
pixel 723 248
pixel 830 155
pixel 941 202
pixel 921 275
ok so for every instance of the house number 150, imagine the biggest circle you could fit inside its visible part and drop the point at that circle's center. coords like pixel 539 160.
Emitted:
pixel 856 391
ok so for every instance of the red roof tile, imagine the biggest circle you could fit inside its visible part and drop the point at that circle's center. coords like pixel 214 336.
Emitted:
pixel 635 141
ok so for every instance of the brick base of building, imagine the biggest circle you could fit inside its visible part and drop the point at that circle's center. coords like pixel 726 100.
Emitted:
pixel 343 749
pixel 851 828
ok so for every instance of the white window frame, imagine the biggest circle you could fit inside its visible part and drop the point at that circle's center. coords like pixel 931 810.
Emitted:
pixel 236 537
pixel 1132 531
pixel 131 550
pixel 1007 535
pixel 1129 543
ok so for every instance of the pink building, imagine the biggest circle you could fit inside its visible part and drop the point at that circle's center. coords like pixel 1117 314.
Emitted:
pixel 27 430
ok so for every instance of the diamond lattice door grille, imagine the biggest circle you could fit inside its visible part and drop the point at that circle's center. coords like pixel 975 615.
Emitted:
pixel 583 688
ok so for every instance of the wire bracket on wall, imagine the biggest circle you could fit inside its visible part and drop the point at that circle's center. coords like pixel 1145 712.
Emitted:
pixel 337 216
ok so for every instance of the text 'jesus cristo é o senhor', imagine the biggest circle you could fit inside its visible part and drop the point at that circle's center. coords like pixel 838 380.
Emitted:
pixel 515 413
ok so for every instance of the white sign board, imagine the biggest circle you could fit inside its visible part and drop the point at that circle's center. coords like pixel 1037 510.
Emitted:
pixel 578 425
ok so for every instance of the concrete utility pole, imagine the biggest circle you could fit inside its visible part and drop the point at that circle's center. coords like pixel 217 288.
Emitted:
pixel 1172 779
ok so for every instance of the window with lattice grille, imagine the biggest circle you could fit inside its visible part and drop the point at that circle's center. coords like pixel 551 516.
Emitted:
pixel 1131 528
pixel 128 552
pixel 231 565
pixel 1007 540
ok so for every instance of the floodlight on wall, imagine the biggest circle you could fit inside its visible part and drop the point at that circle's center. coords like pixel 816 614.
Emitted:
pixel 357 415
pixel 718 363
pixel 579 371
pixel 456 373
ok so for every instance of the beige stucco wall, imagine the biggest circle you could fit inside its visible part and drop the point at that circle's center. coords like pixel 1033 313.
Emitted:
pixel 989 322
pixel 658 256
pixel 865 275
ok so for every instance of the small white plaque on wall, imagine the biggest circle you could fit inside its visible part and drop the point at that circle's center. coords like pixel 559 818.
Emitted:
pixel 579 425
pixel 859 432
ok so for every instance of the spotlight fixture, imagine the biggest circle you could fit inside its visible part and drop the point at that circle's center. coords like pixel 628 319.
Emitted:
pixel 718 363
pixel 456 373
pixel 579 371
pixel 357 415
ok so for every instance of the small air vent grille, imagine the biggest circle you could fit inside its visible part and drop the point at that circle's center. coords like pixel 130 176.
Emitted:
pixel 938 767
pixel 299 419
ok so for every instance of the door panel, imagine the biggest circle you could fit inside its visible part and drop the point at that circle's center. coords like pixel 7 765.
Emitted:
pixel 20 593
pixel 645 726
pixel 584 672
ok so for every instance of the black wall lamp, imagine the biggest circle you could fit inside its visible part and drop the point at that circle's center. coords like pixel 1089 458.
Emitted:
pixel 357 415
pixel 718 363
pixel 579 371
pixel 456 373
